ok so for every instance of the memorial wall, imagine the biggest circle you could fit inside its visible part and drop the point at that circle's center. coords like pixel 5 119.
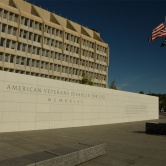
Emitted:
pixel 35 103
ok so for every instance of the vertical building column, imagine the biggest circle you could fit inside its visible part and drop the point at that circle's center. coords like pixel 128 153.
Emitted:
pixel 108 55
pixel 80 43
pixel 95 47
pixel 63 41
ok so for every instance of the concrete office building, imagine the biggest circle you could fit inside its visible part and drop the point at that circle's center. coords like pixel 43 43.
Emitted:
pixel 34 41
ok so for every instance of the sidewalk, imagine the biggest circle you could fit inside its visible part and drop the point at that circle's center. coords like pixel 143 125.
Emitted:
pixel 126 143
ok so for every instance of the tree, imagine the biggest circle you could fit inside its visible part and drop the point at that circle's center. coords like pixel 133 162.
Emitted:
pixel 112 85
pixel 86 80
pixel 141 92
pixel 162 100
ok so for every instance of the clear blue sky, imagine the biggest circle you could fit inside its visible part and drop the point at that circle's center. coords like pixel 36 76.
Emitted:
pixel 126 26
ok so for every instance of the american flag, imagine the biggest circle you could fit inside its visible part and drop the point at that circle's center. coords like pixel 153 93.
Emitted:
pixel 159 31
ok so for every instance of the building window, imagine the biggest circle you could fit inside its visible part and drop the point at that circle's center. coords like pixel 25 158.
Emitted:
pixel 59 68
pixel 3 28
pixel 48 29
pixel 28 61
pixel 25 34
pixel 34 50
pixel 13 45
pixel 17 60
pixel 23 47
pixel 39 39
pixel 47 53
pixel 76 40
pixel 1 56
pixel 46 65
pixel 52 55
pixel 43 52
pixel 16 18
pixel 67 36
pixel 48 41
pixel 59 56
pixel 30 35
pixel 34 37
pixel 11 16
pixel 40 26
pixel 14 31
pixel 42 65
pixel 52 43
pixel 31 23
pixel 12 59
pixel 22 20
pixel 36 25
pixel 22 61
pixel 7 58
pixel 53 31
pixel 1 11
pixel 29 49
pixel 56 44
pixel 5 15
pixel 9 29
pixel 7 43
pixel 57 32
pixel 37 64
pixel 38 51
pixel 2 42
pixel 33 63
pixel 51 66
pixel 18 46
pixel 67 58
pixel 55 67
pixel 63 69
pixel 26 22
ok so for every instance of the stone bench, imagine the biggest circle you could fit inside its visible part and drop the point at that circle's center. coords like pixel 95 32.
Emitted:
pixel 61 156
pixel 156 128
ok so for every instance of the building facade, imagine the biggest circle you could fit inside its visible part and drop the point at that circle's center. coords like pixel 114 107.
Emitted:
pixel 36 42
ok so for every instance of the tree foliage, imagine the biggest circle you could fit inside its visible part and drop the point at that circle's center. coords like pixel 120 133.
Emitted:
pixel 162 100
pixel 86 80
pixel 113 85
pixel 141 92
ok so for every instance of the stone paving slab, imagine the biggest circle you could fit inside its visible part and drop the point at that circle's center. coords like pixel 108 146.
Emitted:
pixel 40 156
pixel 62 156
pixel 19 161
pixel 126 143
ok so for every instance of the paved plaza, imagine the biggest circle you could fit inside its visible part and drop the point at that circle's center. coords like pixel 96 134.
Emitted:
pixel 127 143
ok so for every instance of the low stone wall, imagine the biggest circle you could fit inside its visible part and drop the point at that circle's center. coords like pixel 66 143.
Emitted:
pixel 34 103
pixel 62 156
pixel 156 128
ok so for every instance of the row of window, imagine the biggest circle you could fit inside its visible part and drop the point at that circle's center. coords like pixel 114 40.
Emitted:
pixel 8 15
pixel 50 76
pixel 87 43
pixel 31 23
pixel 71 37
pixel 48 66
pixel 53 31
pixel 51 54
pixel 71 48
pixel 101 58
pixel 37 38
pixel 48 29
pixel 101 49
pixel 39 26
pixel 48 41
pixel 46 53
pixel 9 29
